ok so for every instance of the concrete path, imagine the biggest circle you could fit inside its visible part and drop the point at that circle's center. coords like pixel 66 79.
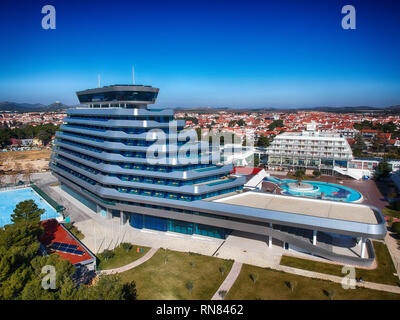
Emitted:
pixel 393 247
pixel 132 265
pixel 229 280
pixel 311 274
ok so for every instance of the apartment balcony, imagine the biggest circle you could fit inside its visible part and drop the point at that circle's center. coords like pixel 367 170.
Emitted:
pixel 123 123
pixel 211 157
pixel 114 181
pixel 116 169
pixel 120 134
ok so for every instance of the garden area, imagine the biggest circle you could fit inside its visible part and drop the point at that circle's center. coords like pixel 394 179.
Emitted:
pixel 255 283
pixel 383 273
pixel 173 275
pixel 120 256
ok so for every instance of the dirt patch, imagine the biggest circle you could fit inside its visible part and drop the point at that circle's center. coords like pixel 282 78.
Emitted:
pixel 22 161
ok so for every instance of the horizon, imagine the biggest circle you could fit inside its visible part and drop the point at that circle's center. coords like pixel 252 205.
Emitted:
pixel 220 55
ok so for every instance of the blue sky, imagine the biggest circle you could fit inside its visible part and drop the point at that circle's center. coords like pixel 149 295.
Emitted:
pixel 204 53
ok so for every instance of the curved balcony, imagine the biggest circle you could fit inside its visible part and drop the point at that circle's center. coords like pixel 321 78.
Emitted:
pixel 123 123
pixel 187 189
pixel 161 147
pixel 120 134
pixel 179 175
pixel 171 161
pixel 120 112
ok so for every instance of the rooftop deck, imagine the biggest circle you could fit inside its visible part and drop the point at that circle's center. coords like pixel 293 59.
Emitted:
pixel 310 207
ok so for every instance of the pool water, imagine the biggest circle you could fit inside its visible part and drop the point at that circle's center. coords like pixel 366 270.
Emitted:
pixel 331 191
pixel 9 200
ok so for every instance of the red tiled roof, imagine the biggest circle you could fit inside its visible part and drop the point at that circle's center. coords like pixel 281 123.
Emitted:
pixel 54 232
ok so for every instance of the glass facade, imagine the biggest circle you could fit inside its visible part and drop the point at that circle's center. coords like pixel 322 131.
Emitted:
pixel 140 221
pixel 149 97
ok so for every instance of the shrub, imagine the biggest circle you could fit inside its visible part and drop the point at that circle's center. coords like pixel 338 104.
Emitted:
pixel 396 227
pixel 317 173
pixel 222 270
pixel 291 285
pixel 107 254
pixel 126 246
pixel 253 277
pixel 189 286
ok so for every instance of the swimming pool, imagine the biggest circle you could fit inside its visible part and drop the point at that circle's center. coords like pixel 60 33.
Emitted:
pixel 9 200
pixel 330 191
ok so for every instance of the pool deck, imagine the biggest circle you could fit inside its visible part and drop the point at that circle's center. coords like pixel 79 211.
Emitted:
pixel 368 188
pixel 298 205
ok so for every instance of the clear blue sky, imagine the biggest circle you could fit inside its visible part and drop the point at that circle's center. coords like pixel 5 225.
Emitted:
pixel 204 53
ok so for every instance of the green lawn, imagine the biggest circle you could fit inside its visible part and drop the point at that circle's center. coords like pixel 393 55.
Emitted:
pixel 121 257
pixel 161 279
pixel 272 285
pixel 382 274
pixel 391 212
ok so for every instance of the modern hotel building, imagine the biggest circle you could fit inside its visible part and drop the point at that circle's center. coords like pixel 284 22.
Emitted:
pixel 121 157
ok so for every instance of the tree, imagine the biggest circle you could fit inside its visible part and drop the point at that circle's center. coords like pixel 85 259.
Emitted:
pixel 222 293
pixel 222 270
pixel 256 160
pixel 126 246
pixel 300 173
pixel 26 214
pixel 263 142
pixel 317 173
pixel 359 145
pixel 129 291
pixel 291 285
pixel 108 287
pixel 253 277
pixel 331 294
pixel 107 254
pixel 383 169
pixel 189 286
pixel 192 264
pixel 275 124
pixel 241 123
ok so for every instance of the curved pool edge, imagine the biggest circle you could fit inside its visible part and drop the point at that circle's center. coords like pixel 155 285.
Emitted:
pixel 278 181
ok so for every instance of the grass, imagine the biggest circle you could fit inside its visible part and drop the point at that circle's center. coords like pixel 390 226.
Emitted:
pixel 121 257
pixel 273 285
pixel 387 211
pixel 382 274
pixel 167 279
pixel 26 155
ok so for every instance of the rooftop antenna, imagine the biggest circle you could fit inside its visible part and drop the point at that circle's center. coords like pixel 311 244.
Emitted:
pixel 98 78
pixel 133 75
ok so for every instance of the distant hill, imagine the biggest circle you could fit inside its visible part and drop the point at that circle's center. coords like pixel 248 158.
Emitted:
pixel 359 109
pixel 29 107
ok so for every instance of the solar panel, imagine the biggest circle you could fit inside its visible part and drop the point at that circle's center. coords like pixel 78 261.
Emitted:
pixel 66 247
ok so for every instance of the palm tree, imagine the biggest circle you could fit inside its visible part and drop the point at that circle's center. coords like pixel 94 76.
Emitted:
pixel 300 173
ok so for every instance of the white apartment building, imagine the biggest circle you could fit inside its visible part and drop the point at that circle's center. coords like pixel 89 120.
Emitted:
pixel 309 149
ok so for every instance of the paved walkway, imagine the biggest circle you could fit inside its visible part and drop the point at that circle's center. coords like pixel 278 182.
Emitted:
pixel 132 265
pixel 311 274
pixel 229 280
pixel 393 247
